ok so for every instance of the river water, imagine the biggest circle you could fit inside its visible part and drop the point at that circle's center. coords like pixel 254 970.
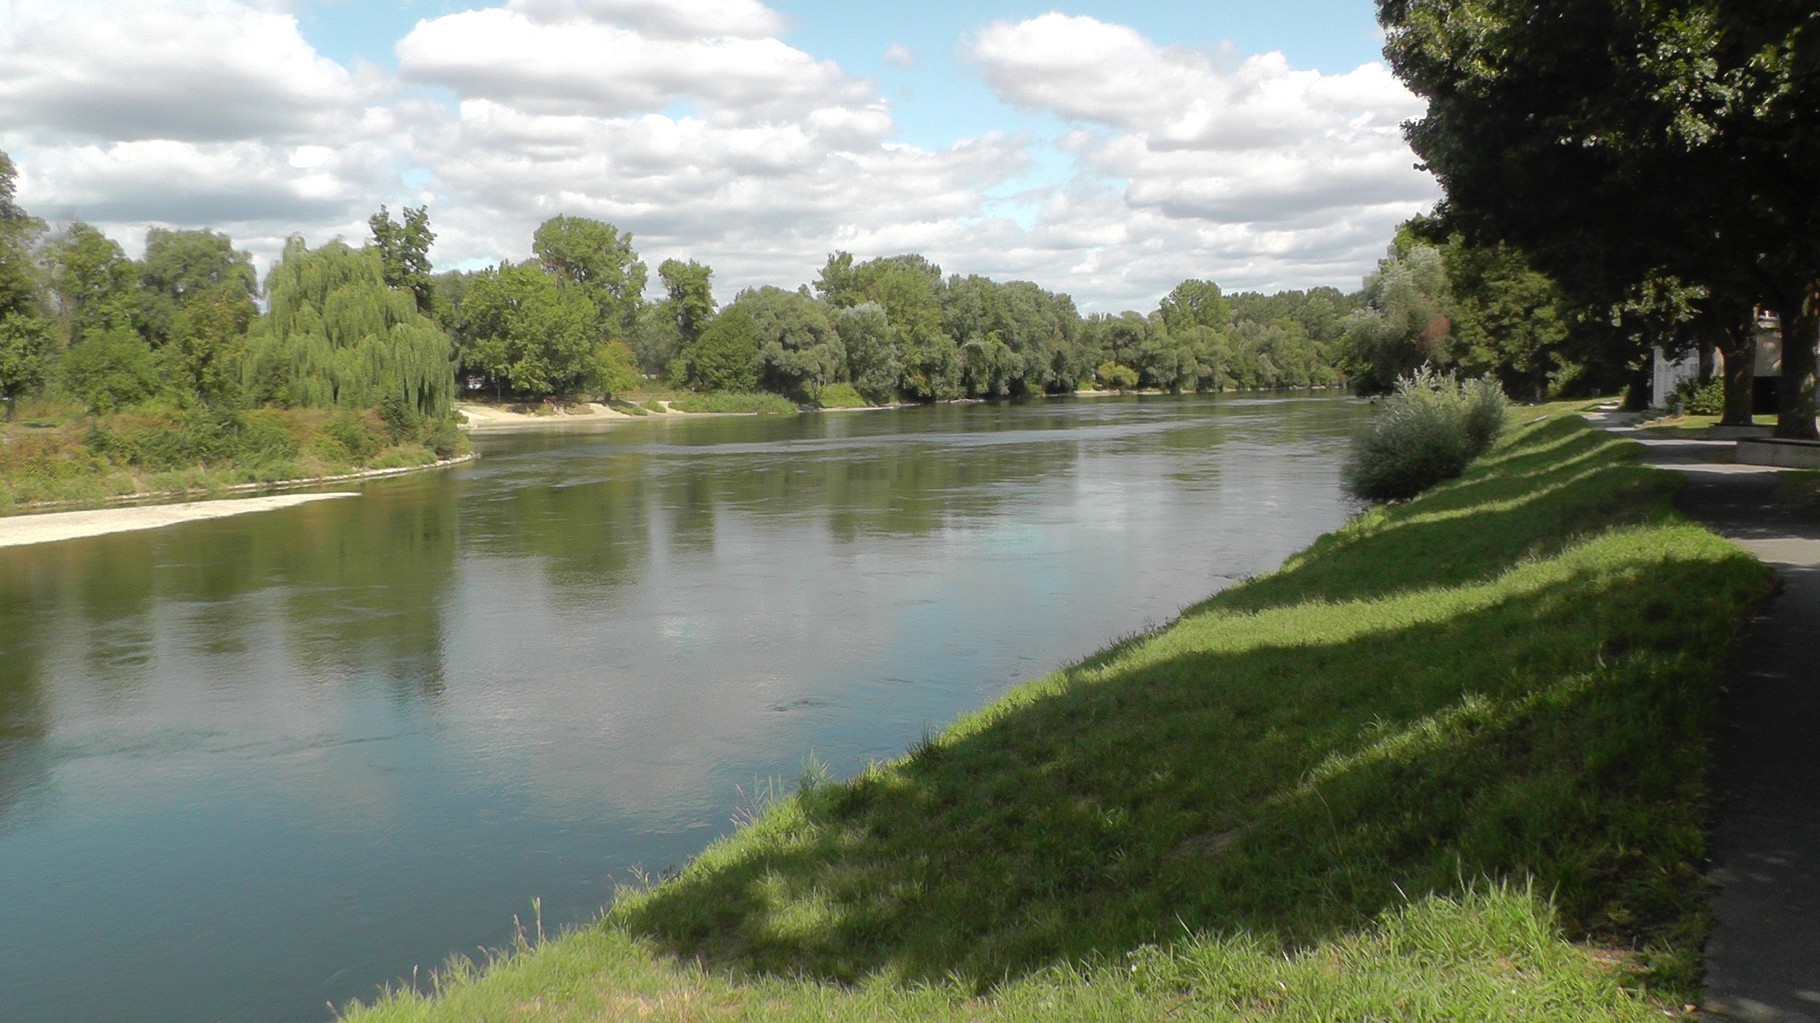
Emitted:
pixel 255 767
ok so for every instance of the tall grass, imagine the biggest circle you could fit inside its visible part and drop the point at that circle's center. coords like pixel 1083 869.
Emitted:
pixel 1447 763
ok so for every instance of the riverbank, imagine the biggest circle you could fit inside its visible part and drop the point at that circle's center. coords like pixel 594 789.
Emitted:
pixel 20 530
pixel 48 526
pixel 1446 763
pixel 59 458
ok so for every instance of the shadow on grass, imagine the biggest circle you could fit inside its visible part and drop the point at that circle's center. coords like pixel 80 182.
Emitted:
pixel 1288 774
pixel 1529 498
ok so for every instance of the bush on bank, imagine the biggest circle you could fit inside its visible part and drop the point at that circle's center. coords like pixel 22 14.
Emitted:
pixel 161 449
pixel 1426 431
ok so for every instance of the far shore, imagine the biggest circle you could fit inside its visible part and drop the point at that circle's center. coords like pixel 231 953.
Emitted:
pixel 44 526
pixel 478 418
pixel 48 527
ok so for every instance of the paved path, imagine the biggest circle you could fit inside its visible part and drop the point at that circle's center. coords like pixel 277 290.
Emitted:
pixel 1763 959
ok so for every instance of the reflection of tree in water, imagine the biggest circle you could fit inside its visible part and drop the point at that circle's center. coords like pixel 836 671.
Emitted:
pixel 585 519
pixel 24 718
pixel 366 589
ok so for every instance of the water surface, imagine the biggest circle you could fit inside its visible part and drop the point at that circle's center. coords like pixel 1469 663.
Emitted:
pixel 253 767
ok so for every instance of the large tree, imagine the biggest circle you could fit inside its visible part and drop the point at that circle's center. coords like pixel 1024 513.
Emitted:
pixel 799 351
pixel 598 259
pixel 96 287
pixel 404 252
pixel 181 266
pixel 338 336
pixel 527 332
pixel 1620 142
pixel 25 336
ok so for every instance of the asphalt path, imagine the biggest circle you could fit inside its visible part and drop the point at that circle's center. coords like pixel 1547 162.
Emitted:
pixel 1763 956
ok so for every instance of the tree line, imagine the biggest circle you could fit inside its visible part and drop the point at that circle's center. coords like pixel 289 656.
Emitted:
pixel 376 326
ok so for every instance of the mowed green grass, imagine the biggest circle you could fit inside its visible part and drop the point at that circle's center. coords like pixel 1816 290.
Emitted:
pixel 1447 763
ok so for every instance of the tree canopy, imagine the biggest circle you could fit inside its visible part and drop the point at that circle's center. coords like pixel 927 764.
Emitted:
pixel 1631 145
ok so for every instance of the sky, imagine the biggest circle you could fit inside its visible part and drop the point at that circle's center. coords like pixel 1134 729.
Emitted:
pixel 1107 150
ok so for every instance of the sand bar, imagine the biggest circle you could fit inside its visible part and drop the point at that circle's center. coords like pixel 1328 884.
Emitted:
pixel 48 527
pixel 479 418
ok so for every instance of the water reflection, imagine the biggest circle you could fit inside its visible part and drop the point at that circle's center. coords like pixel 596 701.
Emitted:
pixel 257 764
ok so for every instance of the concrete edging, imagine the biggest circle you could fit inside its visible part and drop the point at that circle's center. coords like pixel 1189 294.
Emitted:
pixel 1780 452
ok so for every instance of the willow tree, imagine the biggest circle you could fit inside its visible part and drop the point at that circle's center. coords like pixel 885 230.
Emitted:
pixel 337 336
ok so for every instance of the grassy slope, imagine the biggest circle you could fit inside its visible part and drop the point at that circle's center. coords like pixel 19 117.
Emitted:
pixel 1445 763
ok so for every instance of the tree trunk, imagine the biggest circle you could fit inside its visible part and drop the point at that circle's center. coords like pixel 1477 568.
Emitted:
pixel 1739 346
pixel 1800 333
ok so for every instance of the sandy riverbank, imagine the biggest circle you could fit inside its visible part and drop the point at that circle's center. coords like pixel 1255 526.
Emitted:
pixel 48 527
pixel 479 418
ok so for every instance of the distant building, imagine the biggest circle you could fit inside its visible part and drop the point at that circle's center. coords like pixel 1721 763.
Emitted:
pixel 1670 373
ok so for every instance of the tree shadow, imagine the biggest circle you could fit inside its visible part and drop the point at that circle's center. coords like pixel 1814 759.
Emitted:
pixel 1289 780
pixel 1572 479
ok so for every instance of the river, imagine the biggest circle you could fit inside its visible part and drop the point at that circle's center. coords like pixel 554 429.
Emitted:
pixel 254 767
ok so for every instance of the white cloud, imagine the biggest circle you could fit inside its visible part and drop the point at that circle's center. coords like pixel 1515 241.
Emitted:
pixel 1269 176
pixel 557 58
pixel 900 57
pixel 207 71
pixel 696 128
pixel 666 19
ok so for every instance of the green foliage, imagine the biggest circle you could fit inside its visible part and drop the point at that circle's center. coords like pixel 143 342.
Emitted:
pixel 527 331
pixel 841 396
pixel 180 266
pixel 110 369
pixel 337 337
pixel 691 297
pixel 356 436
pixel 1404 324
pixel 166 440
pixel 1114 376
pixel 799 351
pixel 612 370
pixel 725 356
pixel 1195 303
pixel 1569 135
pixel 1507 318
pixel 404 253
pixel 734 403
pixel 594 257
pixel 1700 398
pixel 160 450
pixel 1425 432
pixel 874 357
pixel 27 347
pixel 95 285
pixel 208 344
pixel 19 283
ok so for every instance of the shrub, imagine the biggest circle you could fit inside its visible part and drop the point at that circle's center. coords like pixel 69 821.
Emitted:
pixel 444 439
pixel 265 439
pixel 353 436
pixel 725 401
pixel 1694 398
pixel 400 417
pixel 1115 376
pixel 1425 432
pixel 841 396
